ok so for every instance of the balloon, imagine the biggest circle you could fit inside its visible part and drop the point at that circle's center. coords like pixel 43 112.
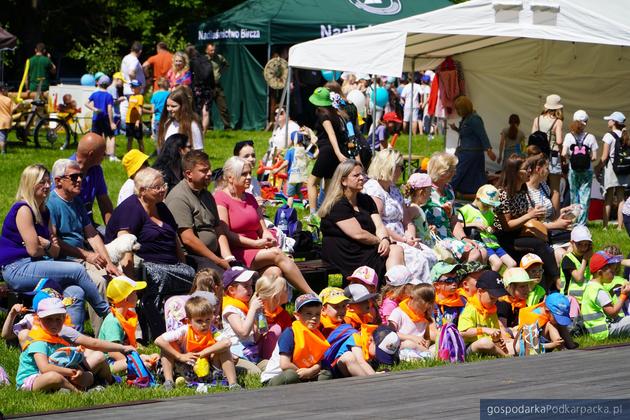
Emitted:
pixel 88 80
pixel 330 75
pixel 391 79
pixel 382 97
pixel 98 75
pixel 357 98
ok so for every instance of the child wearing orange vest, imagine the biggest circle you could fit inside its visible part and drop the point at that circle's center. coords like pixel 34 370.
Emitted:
pixel 398 283
pixel 448 302
pixel 413 321
pixel 360 305
pixel 193 346
pixel 300 349
pixel 469 273
pixel 36 373
pixel 479 323
pixel 334 308
pixel 552 315
pixel 119 326
pixel 274 292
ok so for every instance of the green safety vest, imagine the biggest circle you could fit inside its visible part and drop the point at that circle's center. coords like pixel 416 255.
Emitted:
pixel 576 290
pixel 592 313
pixel 536 295
pixel 617 281
pixel 472 215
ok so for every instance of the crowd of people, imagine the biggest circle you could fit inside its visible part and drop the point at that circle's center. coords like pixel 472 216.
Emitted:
pixel 205 276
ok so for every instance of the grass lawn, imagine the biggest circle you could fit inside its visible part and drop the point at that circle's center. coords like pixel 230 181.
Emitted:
pixel 219 146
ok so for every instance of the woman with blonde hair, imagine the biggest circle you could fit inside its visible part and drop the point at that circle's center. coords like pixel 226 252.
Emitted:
pixel 352 229
pixel 384 172
pixel 274 292
pixel 180 119
pixel 251 242
pixel 28 249
pixel 179 74
pixel 550 122
pixel 470 173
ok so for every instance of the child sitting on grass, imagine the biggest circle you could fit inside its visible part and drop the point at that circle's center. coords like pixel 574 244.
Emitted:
pixel 367 277
pixel 190 349
pixel 334 305
pixel 574 272
pixel 448 303
pixel 533 264
pixel 398 284
pixel 120 325
pixel 273 291
pixel 479 323
pixel 600 315
pixel 36 373
pixel 413 321
pixel 300 349
pixel 239 316
pixel 468 274
pixel 360 306
pixel 552 317
pixel 614 287
pixel 518 285
pixel 480 216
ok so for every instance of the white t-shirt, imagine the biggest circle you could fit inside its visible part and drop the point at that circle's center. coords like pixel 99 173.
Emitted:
pixel 228 332
pixel 569 140
pixel 278 138
pixel 405 325
pixel 177 336
pixel 130 63
pixel 126 191
pixel 610 141
pixel 603 298
pixel 273 366
pixel 408 98
pixel 197 138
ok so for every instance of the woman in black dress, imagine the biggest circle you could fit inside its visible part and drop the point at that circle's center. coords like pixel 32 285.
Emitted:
pixel 352 230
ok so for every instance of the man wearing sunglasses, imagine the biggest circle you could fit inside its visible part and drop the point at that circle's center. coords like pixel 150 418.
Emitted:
pixel 74 229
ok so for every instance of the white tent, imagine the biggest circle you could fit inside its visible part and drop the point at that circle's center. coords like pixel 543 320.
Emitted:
pixel 513 54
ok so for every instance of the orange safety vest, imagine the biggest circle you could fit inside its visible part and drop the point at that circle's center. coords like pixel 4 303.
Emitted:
pixel 327 324
pixel 280 317
pixel 230 301
pixel 197 342
pixel 483 311
pixel 310 345
pixel 128 322
pixel 532 314
pixel 514 301
pixel 364 337
pixel 355 320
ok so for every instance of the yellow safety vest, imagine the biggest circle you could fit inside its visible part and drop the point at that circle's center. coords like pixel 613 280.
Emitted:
pixel 593 313
pixel 576 290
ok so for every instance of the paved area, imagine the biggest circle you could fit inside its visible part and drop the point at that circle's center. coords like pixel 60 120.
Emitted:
pixel 449 392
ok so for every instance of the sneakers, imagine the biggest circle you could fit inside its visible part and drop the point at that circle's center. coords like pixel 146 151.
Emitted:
pixel 97 388
pixel 235 387
pixel 168 386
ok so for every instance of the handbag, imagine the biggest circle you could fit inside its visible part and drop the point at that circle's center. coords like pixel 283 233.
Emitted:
pixel 534 228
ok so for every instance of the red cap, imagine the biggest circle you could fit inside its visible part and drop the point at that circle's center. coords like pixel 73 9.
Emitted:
pixel 601 259
pixel 391 117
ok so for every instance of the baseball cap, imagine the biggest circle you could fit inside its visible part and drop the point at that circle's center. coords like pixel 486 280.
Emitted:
pixel 119 75
pixel 387 345
pixel 332 295
pixel 135 83
pixel 358 293
pixel 104 80
pixel 417 181
pixel 304 299
pixel 530 259
pixel 209 296
pixel 580 115
pixel 441 268
pixel 133 161
pixel 581 233
pixel 391 117
pixel 470 267
pixel 491 282
pixel 45 283
pixel 237 274
pixel 601 259
pixel 559 305
pixel 515 275
pixel 489 195
pixel 122 286
pixel 399 275
pixel 617 117
pixel 365 275
pixel 50 306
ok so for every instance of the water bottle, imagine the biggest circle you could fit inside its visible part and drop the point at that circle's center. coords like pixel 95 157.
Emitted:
pixel 263 327
pixel 283 225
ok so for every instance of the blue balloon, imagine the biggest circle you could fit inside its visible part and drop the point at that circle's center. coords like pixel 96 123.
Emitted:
pixel 331 75
pixel 88 80
pixel 382 97
pixel 98 75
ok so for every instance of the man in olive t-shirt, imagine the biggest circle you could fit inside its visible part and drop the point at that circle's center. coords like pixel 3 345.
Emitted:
pixel 40 68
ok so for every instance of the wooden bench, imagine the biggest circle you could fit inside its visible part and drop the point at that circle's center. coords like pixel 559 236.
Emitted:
pixel 316 273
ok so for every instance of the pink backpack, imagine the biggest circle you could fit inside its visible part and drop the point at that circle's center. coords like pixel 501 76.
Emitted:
pixel 451 345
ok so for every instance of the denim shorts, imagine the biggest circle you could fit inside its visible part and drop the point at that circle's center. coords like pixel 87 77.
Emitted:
pixel 499 252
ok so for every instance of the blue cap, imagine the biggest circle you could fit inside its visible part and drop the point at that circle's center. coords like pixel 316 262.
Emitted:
pixel 135 83
pixel 559 305
pixel 304 299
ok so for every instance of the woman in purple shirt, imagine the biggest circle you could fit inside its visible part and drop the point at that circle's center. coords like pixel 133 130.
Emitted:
pixel 28 249
pixel 146 216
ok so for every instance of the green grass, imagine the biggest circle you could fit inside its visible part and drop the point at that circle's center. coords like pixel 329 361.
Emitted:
pixel 219 146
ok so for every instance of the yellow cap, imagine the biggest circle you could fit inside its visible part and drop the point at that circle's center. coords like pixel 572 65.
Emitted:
pixel 332 295
pixel 515 275
pixel 119 75
pixel 530 259
pixel 133 160
pixel 119 288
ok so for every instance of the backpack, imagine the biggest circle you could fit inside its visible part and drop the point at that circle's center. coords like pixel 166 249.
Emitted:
pixel 174 313
pixel 527 340
pixel 621 161
pixel 451 345
pixel 138 374
pixel 291 217
pixel 67 357
pixel 337 339
pixel 541 139
pixel 203 72
pixel 580 154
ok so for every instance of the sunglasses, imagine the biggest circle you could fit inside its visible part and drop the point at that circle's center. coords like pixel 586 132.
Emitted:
pixel 73 177
pixel 449 279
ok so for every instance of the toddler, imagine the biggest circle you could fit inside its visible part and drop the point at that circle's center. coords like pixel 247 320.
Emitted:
pixel 7 106
pixel 101 103
pixel 133 119
pixel 398 283
pixel 448 303
pixel 552 317
pixel 533 264
pixel 413 322
pixel 334 305
pixel 360 304
pixel 468 274
pixel 158 102
pixel 273 292
pixel 418 190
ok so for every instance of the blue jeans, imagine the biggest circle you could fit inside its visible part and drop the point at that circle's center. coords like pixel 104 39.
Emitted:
pixel 22 276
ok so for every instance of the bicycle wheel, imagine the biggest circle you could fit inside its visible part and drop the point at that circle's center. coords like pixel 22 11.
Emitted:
pixel 51 130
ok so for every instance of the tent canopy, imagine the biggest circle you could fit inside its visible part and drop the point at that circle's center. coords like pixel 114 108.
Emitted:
pixel 7 40
pixel 513 54
pixel 292 21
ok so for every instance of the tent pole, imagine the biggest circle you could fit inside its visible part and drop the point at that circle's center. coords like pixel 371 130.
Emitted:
pixel 287 115
pixel 374 114
pixel 268 89
pixel 411 123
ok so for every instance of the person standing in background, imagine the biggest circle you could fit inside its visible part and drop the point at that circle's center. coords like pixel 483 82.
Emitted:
pixel 131 69
pixel 219 65
pixel 160 63
pixel 40 68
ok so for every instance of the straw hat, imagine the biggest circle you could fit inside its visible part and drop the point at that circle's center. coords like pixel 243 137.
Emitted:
pixel 553 102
